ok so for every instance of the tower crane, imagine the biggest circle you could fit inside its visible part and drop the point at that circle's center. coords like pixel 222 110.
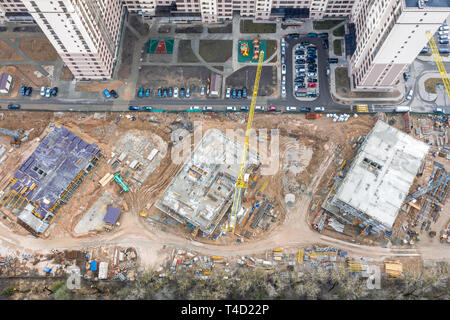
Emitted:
pixel 440 65
pixel 242 182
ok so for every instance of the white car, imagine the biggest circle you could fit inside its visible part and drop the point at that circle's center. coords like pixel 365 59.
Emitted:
pixel 228 93
pixel 319 109
pixel 229 108
pixel 283 42
pixel 283 60
pixel 42 91
pixel 195 108
pixel 312 74
pixel 291 108
pixel 283 91
pixel 410 94
pixel 283 69
pixel 259 108
pixel 443 32
pixel 283 80
pixel 175 92
pixel 283 50
pixel 48 93
pixel 207 108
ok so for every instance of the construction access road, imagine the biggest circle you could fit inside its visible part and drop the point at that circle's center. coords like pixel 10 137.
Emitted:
pixel 294 232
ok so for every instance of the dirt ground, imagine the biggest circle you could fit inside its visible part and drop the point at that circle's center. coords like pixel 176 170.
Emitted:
pixel 216 50
pixel 24 75
pixel 177 76
pixel 66 74
pixel 38 49
pixel 8 53
pixel 245 77
pixel 127 54
pixel 98 86
pixel 185 53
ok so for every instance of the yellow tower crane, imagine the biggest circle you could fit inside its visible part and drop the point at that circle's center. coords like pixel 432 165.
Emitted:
pixel 241 182
pixel 440 65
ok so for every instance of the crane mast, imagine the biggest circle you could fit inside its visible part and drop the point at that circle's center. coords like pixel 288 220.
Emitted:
pixel 241 182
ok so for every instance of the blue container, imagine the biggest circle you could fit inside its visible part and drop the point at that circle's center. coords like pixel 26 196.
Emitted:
pixel 94 266
pixel 47 269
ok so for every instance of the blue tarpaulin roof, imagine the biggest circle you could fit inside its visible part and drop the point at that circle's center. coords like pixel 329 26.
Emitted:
pixel 111 215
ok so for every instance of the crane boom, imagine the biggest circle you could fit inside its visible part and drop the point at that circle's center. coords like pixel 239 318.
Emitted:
pixel 440 65
pixel 241 184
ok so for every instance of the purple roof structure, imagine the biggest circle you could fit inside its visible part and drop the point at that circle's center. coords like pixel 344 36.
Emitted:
pixel 111 215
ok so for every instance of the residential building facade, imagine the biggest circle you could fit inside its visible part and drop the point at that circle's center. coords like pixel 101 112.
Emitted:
pixel 390 34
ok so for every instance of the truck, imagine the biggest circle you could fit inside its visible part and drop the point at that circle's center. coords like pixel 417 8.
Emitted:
pixel 402 109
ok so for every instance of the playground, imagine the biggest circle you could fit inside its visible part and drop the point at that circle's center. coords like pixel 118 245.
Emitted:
pixel 249 50
pixel 160 46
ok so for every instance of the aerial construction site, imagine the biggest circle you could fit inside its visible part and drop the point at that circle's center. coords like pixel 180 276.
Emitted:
pixel 158 188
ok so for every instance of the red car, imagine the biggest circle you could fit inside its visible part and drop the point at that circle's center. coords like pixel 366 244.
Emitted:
pixel 272 108
pixel 312 85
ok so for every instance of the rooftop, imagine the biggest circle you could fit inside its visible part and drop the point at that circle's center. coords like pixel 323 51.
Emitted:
pixel 429 3
pixel 200 193
pixel 382 173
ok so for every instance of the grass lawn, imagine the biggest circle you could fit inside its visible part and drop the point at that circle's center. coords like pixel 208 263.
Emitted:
pixel 247 26
pixel 343 87
pixel 430 84
pixel 216 50
pixel 339 32
pixel 337 44
pixel 222 29
pixel 190 29
pixel 271 47
pixel 185 53
pixel 325 24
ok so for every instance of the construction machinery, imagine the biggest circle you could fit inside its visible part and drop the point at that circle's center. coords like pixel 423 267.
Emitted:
pixel 119 180
pixel 439 63
pixel 242 179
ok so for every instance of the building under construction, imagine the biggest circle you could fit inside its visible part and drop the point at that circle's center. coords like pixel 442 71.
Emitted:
pixel 200 194
pixel 378 181
pixel 48 178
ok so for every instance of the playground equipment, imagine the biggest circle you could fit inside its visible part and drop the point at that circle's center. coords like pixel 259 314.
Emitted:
pixel 256 44
pixel 244 49
pixel 119 180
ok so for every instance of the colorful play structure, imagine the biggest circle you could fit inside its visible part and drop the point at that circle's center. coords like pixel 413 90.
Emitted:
pixel 256 44
pixel 244 49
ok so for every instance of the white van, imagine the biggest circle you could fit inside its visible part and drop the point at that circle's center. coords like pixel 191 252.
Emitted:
pixel 409 96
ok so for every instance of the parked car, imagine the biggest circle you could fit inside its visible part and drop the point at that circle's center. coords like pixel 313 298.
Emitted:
pixel 323 35
pixel 443 27
pixel 202 90
pixel 147 92
pixel 283 42
pixel 312 74
pixel 188 93
pixel 244 108
pixel 332 60
pixel 259 108
pixel 22 90
pixel 283 80
pixel 325 44
pixel 55 92
pixel 301 60
pixel 304 43
pixel 271 108
pixel 141 92
pixel 283 50
pixel 305 109
pixel 312 56
pixel 133 108
pixel 283 60
pixel 207 108
pixel 312 85
pixel 239 94
pixel 175 92
pixel 283 91
pixel 147 108
pixel 406 76
pixel 437 110
pixel 244 92
pixel 181 93
pixel 291 109
pixel 443 41
pixel 112 92
pixel 312 80
pixel 164 92
pixel 195 108
pixel 42 91
pixel 410 94
pixel 312 35
pixel 234 93
pixel 28 91
pixel 170 92
pixel 283 69
pixel 442 32
pixel 301 85
pixel 230 108
pixel 159 92
pixel 319 109
pixel 228 93
pixel 13 106
pixel 48 92
pixel 299 52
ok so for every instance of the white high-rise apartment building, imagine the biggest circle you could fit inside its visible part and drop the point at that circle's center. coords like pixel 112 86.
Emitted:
pixel 83 32
pixel 390 34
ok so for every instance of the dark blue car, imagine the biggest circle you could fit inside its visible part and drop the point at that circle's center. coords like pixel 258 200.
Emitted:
pixel 147 93
pixel 182 93
pixel 323 35
pixel 234 93
pixel 244 92
pixel 239 94
pixel 133 108
pixel 311 56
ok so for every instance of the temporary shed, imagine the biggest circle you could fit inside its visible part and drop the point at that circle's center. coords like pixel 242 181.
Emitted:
pixel 112 214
